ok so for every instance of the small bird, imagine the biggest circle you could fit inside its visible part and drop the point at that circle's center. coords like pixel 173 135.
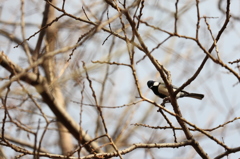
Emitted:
pixel 161 91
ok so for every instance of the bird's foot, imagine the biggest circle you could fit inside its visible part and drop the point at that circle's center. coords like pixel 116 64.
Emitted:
pixel 165 100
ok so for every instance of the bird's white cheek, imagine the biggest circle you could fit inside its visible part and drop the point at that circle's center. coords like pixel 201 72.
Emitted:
pixel 155 84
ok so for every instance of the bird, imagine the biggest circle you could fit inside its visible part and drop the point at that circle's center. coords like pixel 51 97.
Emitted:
pixel 160 89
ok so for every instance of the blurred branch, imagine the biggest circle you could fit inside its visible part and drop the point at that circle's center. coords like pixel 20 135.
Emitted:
pixel 142 145
pixel 13 38
pixel 177 128
pixel 95 24
pixel 229 151
pixel 25 45
pixel 100 112
pixel 43 89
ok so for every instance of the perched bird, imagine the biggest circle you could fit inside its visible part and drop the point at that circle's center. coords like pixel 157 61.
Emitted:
pixel 161 91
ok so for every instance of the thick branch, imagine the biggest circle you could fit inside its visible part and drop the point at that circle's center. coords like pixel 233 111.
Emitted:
pixel 43 89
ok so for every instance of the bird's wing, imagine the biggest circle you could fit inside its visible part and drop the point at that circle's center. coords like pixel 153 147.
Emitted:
pixel 183 91
pixel 163 89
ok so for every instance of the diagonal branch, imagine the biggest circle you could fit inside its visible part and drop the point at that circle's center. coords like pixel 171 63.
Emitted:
pixel 160 69
pixel 42 87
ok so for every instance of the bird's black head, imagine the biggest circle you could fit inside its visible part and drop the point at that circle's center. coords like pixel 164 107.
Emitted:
pixel 150 83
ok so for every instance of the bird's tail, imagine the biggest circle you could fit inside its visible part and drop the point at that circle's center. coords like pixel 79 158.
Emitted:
pixel 195 95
